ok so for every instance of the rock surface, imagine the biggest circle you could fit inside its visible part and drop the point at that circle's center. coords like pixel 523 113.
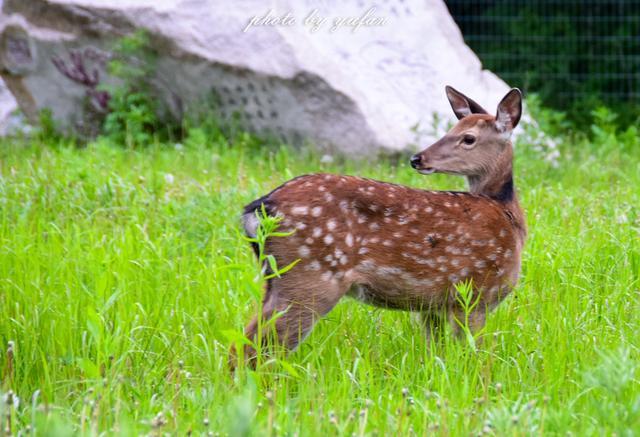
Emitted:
pixel 350 86
pixel 7 106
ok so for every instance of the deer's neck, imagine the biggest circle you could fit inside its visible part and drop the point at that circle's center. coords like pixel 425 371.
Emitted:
pixel 497 184
pixel 497 179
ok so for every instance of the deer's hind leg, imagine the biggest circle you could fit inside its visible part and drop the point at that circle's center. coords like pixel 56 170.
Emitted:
pixel 297 300
pixel 474 321
pixel 433 324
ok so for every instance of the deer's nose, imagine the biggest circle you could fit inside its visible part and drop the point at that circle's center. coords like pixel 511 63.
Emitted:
pixel 415 161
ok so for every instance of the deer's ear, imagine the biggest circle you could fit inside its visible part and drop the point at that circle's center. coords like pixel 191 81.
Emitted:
pixel 461 104
pixel 509 111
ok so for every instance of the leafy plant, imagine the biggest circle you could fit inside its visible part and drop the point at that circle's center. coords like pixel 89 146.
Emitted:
pixel 267 228
pixel 133 108
pixel 468 301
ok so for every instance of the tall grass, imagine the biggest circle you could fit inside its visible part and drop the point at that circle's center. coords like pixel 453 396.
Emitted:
pixel 124 278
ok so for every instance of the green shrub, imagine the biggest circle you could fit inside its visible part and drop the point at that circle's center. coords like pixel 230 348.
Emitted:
pixel 133 107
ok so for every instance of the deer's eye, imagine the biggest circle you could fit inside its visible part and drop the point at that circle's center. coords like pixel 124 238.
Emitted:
pixel 468 139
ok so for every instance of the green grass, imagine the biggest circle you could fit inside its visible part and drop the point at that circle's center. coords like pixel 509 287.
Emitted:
pixel 123 280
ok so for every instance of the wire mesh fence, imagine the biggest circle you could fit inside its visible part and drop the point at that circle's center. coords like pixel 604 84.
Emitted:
pixel 566 51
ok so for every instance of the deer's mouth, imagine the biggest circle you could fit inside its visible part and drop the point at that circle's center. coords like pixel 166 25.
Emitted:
pixel 427 170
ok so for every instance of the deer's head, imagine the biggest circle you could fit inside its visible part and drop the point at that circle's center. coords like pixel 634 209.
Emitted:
pixel 473 146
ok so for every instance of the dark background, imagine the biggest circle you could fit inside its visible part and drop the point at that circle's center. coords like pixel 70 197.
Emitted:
pixel 576 55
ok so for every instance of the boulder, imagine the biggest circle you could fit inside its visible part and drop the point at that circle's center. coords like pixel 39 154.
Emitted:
pixel 351 77
pixel 8 107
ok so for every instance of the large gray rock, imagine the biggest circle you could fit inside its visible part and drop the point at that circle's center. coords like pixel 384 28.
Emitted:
pixel 8 106
pixel 355 90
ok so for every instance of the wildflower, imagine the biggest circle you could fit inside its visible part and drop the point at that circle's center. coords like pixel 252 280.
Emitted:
pixel 158 421
pixel 11 400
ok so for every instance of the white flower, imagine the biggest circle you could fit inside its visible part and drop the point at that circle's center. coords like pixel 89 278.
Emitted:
pixel 168 178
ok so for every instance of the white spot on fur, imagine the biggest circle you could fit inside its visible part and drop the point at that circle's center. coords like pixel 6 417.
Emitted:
pixel 328 239
pixel 374 226
pixel 316 211
pixel 309 240
pixel 314 266
pixel 343 259
pixel 326 276
pixel 331 224
pixel 300 225
pixel 303 251
pixel 492 257
pixel 344 205
pixel 317 232
pixel 387 243
pixel 502 233
pixel 363 250
pixel 454 278
pixel 453 250
pixel 349 240
pixel 508 253
pixel 299 210
pixel 480 264
pixel 425 261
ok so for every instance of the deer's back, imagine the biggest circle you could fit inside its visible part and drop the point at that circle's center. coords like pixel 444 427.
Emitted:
pixel 400 247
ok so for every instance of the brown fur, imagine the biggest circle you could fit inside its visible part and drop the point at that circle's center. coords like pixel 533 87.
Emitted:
pixel 398 247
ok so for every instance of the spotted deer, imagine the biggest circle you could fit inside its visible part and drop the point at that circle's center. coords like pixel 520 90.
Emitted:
pixel 398 247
